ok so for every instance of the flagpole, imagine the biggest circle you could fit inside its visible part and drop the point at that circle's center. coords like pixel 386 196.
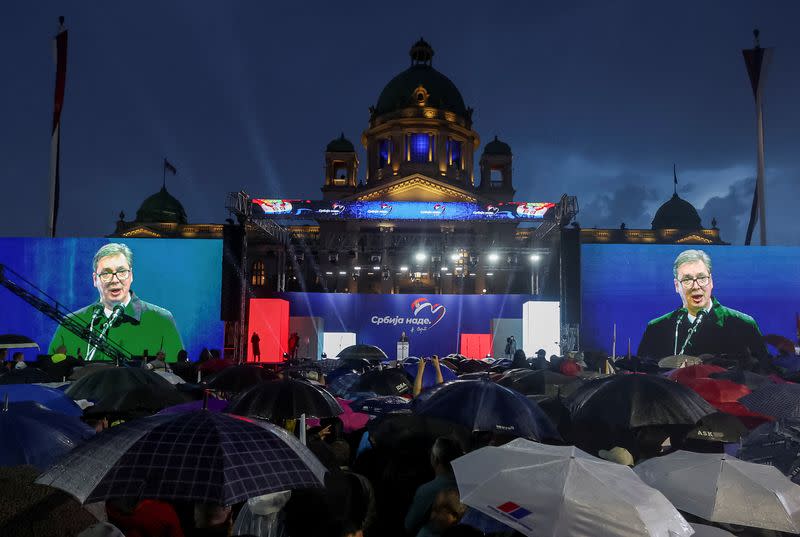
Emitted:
pixel 54 193
pixel 762 202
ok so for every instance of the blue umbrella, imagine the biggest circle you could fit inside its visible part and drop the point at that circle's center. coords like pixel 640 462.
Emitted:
pixel 198 456
pixel 776 400
pixel 343 384
pixel 383 404
pixel 53 399
pixel 775 444
pixel 429 375
pixel 33 434
pixel 481 405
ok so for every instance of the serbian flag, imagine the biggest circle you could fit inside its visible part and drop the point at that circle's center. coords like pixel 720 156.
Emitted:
pixel 60 44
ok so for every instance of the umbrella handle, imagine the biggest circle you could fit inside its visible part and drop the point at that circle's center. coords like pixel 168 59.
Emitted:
pixel 5 403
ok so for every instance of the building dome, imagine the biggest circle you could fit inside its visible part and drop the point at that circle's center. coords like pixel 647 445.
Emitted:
pixel 421 85
pixel 496 147
pixel 676 213
pixel 161 207
pixel 340 145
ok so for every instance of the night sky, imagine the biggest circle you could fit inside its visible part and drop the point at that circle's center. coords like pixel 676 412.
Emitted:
pixel 596 99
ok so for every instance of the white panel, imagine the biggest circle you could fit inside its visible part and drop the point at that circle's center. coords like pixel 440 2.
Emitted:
pixel 541 327
pixel 334 342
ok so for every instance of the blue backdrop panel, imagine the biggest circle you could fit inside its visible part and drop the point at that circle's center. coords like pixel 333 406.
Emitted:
pixel 630 284
pixel 433 323
pixel 181 275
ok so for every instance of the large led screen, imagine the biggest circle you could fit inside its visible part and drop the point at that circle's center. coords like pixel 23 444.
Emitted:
pixel 170 294
pixel 630 285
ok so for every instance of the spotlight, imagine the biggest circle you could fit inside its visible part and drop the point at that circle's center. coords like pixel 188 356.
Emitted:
pixel 376 258
pixel 455 257
pixel 535 258
pixel 328 272
pixel 342 273
pixel 376 268
pixel 490 273
pixel 493 257
pixel 444 269
pixel 356 268
pixel 420 256
pixel 404 269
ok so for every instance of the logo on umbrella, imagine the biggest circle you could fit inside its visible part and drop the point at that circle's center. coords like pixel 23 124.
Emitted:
pixel 512 510
pixel 436 311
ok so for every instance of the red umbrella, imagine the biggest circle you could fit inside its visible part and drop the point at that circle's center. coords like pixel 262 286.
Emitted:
pixel 717 391
pixel 693 372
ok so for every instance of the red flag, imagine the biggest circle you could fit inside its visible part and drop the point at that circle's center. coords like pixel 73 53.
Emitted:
pixel 60 43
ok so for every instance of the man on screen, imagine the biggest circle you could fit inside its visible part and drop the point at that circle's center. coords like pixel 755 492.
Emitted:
pixel 702 325
pixel 128 321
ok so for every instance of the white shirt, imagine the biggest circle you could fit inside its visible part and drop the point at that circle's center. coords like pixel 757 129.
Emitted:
pixel 108 312
pixel 692 317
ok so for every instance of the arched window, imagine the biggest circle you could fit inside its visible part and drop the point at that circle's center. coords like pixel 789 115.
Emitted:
pixel 258 274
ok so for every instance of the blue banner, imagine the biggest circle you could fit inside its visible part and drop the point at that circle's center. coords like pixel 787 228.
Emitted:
pixel 403 210
pixel 432 323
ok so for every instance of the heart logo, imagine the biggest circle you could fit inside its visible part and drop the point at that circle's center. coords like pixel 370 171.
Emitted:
pixel 436 311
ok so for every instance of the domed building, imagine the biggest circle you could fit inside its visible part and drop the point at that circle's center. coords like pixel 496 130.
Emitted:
pixel 162 215
pixel 676 222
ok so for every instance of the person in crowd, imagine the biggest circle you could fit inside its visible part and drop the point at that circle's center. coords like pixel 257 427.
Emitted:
pixel 211 520
pixel 446 511
pixel 520 360
pixel 701 324
pixel 19 361
pixel 511 346
pixel 421 371
pixel 158 362
pixel 569 366
pixel 444 451
pixel 183 356
pixel 119 313
pixel 144 518
pixel 255 344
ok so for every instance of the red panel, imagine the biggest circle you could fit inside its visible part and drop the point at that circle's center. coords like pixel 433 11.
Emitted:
pixel 476 345
pixel 269 317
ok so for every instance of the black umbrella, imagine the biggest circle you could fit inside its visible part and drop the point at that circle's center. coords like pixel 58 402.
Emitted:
pixel 583 392
pixel 718 427
pixel 393 430
pixel 238 378
pixel 541 382
pixel 366 352
pixel 747 378
pixel 280 400
pixel 775 444
pixel 776 400
pixel 472 366
pixel 383 382
pixel 87 368
pixel 15 341
pixel 28 375
pixel 107 382
pixel 356 364
pixel 143 400
pixel 631 401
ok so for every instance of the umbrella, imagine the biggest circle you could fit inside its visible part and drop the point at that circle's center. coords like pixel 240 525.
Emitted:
pixel 28 375
pixel 88 368
pixel 540 382
pixel 718 427
pixel 562 491
pixel 776 400
pixel 51 398
pixel 351 420
pixel 212 405
pixel 630 401
pixel 365 352
pixel 344 384
pixel 775 444
pixel 356 364
pixel 480 405
pixel 169 376
pixel 704 530
pixel 280 400
pixel 141 400
pixel 717 392
pixel 747 378
pixel 721 488
pixel 214 365
pixel 383 382
pixel 429 375
pixel 110 381
pixel 393 430
pixel 680 360
pixel 31 433
pixel 782 344
pixel 383 404
pixel 192 456
pixel 472 366
pixel 577 398
pixel 238 378
pixel 692 372
pixel 15 341
pixel 31 510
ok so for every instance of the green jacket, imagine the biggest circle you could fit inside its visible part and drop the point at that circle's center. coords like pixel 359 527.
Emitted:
pixel 141 326
pixel 723 331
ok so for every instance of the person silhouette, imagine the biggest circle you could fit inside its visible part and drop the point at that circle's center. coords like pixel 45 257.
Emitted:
pixel 255 343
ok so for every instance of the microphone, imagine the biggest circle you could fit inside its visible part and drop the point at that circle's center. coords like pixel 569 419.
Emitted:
pixel 115 314
pixel 700 316
pixel 98 311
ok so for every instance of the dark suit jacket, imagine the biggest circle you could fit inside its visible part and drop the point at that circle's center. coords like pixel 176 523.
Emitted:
pixel 723 331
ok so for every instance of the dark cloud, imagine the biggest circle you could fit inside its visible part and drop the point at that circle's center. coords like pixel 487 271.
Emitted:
pixel 629 203
pixel 732 211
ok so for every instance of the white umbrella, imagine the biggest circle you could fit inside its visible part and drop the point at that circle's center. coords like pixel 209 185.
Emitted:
pixel 563 492
pixel 170 376
pixel 721 488
pixel 703 530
